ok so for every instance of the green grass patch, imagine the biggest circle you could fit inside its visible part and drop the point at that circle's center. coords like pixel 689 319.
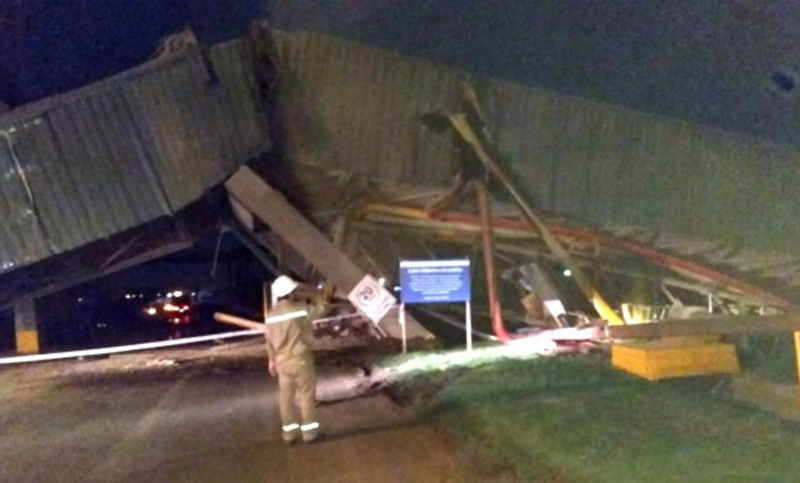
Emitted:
pixel 414 364
pixel 577 419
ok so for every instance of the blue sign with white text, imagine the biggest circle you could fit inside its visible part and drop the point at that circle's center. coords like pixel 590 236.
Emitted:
pixel 434 281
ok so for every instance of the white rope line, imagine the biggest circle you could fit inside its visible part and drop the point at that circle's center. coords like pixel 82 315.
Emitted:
pixel 126 348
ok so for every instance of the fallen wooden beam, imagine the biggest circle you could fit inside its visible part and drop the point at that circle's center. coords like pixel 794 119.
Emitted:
pixel 725 325
pixel 238 321
pixel 271 207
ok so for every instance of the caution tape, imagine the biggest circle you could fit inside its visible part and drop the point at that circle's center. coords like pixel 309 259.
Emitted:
pixel 126 348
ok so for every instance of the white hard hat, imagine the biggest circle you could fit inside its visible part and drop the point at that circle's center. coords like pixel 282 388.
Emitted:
pixel 283 286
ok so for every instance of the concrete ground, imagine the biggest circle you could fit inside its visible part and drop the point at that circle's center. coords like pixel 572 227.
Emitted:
pixel 204 415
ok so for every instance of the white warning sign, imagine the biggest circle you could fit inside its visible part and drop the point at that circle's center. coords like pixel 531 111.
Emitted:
pixel 371 299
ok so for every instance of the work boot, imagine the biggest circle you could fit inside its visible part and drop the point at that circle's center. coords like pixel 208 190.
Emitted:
pixel 291 433
pixel 310 432
pixel 313 439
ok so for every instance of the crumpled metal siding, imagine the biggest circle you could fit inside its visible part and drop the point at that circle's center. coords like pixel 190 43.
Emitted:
pixel 357 108
pixel 125 151
pixel 19 229
pixel 611 165
pixel 351 107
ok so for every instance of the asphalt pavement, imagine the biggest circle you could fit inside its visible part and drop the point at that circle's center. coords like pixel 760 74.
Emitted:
pixel 204 415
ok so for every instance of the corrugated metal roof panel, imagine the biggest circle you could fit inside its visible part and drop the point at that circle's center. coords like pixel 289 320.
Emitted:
pixel 357 108
pixel 22 237
pixel 124 151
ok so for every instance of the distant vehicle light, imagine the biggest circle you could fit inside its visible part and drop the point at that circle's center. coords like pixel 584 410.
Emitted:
pixel 177 293
pixel 179 320
pixel 168 307
pixel 151 311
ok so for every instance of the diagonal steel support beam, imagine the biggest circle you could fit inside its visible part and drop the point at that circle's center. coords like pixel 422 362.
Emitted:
pixel 462 127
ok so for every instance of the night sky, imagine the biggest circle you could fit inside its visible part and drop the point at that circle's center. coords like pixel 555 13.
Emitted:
pixel 51 46
pixel 728 64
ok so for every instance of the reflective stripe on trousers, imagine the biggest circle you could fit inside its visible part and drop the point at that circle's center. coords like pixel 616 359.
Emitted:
pixel 296 382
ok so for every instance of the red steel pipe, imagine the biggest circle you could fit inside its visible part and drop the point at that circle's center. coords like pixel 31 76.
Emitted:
pixel 655 256
pixel 488 260
pixel 589 236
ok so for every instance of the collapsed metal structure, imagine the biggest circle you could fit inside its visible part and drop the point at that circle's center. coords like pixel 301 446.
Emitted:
pixel 89 164
pixel 109 176
pixel 367 144
pixel 349 108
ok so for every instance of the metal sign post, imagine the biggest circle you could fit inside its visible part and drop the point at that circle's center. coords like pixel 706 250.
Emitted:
pixel 468 306
pixel 403 327
pixel 436 282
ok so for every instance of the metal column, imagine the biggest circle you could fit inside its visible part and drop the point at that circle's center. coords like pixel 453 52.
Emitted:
pixel 489 262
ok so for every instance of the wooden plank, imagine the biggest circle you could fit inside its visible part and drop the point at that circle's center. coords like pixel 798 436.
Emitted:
pixel 273 209
pixel 727 325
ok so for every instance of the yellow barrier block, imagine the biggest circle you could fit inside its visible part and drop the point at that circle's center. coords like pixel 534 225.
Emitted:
pixel 28 341
pixel 675 358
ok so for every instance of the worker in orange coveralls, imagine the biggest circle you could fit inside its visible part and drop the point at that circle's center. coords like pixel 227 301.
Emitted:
pixel 289 335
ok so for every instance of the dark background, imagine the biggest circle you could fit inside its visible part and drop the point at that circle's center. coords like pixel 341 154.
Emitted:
pixel 728 64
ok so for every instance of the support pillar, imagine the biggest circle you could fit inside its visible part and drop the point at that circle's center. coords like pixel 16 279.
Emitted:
pixel 489 261
pixel 26 327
